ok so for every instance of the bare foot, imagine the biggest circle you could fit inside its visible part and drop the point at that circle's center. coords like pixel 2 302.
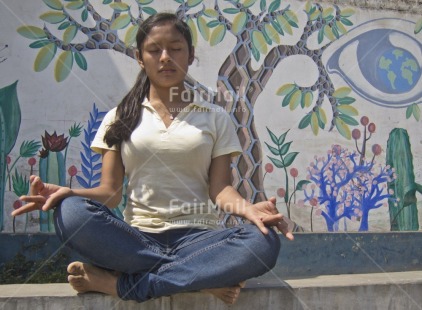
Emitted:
pixel 229 295
pixel 87 278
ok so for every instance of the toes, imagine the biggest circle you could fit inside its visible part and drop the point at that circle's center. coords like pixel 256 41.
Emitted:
pixel 75 268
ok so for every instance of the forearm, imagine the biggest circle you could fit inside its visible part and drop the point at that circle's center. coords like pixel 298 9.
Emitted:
pixel 106 195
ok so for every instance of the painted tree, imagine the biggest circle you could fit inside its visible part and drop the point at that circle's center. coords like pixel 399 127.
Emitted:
pixel 257 35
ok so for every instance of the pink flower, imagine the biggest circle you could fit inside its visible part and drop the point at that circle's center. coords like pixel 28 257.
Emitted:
pixel 293 172
pixel 269 168
pixel 8 160
pixel 72 171
pixel 313 202
pixel 32 161
pixel 17 204
pixel 281 192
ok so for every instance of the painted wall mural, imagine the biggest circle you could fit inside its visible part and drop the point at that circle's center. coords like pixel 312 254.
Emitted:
pixel 325 99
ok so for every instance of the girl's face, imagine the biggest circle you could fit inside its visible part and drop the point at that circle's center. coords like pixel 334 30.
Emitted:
pixel 166 57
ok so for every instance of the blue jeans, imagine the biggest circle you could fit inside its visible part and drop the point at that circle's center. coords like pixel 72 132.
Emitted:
pixel 161 264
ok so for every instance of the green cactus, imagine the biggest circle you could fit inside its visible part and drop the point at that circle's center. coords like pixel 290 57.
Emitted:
pixel 10 120
pixel 403 211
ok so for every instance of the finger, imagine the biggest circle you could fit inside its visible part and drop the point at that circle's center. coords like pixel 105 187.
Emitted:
pixel 283 227
pixel 25 209
pixel 272 220
pixel 36 184
pixel 272 201
pixel 261 226
pixel 35 199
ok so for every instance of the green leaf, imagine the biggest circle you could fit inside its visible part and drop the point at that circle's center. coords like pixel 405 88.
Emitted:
pixel 282 138
pixel 286 100
pixel 262 5
pixel 231 11
pixel 80 60
pixel 31 32
pixel 193 31
pixel 335 31
pixel 416 112
pixel 328 32
pixel 255 53
pixel 84 15
pixel 347 12
pixel 54 4
pixel 348 110
pixel 307 99
pixel 315 15
pixel 110 1
pixel 266 37
pixel 193 3
pixel 203 29
pixel 44 57
pixel 418 26
pixel 285 89
pixel 292 18
pixel 284 24
pixel 29 148
pixel 64 25
pixel 217 35
pixel 272 33
pixel 285 148
pixel 409 111
pixel 211 13
pixel 69 34
pixel 327 12
pixel 288 160
pixel 308 7
pixel 75 5
pixel 75 130
pixel 277 27
pixel 120 7
pixel 273 150
pixel 53 17
pixel 274 6
pixel 121 22
pixel 341 27
pixel 213 23
pixel 259 42
pixel 143 2
pixel 346 22
pixel 305 121
pixel 349 120
pixel 20 184
pixel 314 123
pixel 299 185
pixel 346 100
pixel 273 137
pixel 342 92
pixel 276 162
pixel 239 22
pixel 39 43
pixel 343 128
pixel 321 117
pixel 130 36
pixel 63 66
pixel 149 10
pixel 320 35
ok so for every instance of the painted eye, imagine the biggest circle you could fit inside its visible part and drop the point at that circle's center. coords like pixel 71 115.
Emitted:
pixel 381 61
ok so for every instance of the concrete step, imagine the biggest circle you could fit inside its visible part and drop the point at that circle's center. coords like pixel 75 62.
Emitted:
pixel 371 291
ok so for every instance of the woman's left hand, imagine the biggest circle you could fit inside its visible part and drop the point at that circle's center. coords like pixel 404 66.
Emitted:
pixel 264 214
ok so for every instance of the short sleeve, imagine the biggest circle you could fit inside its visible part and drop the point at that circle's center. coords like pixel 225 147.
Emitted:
pixel 98 143
pixel 227 141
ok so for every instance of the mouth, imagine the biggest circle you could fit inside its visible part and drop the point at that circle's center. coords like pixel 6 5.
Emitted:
pixel 167 70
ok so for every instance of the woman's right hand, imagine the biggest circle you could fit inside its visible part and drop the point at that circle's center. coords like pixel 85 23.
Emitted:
pixel 42 196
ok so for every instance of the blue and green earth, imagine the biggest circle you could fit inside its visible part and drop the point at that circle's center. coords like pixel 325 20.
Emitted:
pixel 398 70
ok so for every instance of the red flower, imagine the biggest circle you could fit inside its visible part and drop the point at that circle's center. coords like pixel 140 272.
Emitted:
pixel 269 168
pixel 32 161
pixel 17 204
pixel 313 202
pixel 281 192
pixel 72 171
pixel 44 153
pixel 294 173
pixel 54 143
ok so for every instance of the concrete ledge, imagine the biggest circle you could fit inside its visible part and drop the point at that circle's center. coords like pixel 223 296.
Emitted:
pixel 399 290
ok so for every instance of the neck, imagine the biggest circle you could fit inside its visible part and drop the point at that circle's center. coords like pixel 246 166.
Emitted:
pixel 176 95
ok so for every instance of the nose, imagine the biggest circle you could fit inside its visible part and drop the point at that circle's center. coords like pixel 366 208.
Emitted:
pixel 165 57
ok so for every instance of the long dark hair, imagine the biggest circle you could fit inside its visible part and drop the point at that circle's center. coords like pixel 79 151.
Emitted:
pixel 129 110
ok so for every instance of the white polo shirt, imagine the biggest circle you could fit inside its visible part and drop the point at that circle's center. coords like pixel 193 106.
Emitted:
pixel 167 168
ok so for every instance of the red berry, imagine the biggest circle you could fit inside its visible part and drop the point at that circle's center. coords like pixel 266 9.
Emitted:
pixel 293 172
pixel 32 161
pixel 364 120
pixel 371 127
pixel 72 171
pixel 17 204
pixel 313 202
pixel 356 134
pixel 376 149
pixel 281 192
pixel 269 168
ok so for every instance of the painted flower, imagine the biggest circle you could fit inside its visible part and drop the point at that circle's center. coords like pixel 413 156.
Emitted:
pixel 294 173
pixel 376 149
pixel 72 171
pixel 8 160
pixel 281 192
pixel 17 204
pixel 269 168
pixel 54 143
pixel 32 161
pixel 43 153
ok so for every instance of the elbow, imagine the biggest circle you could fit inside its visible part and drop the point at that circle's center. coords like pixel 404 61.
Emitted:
pixel 114 200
